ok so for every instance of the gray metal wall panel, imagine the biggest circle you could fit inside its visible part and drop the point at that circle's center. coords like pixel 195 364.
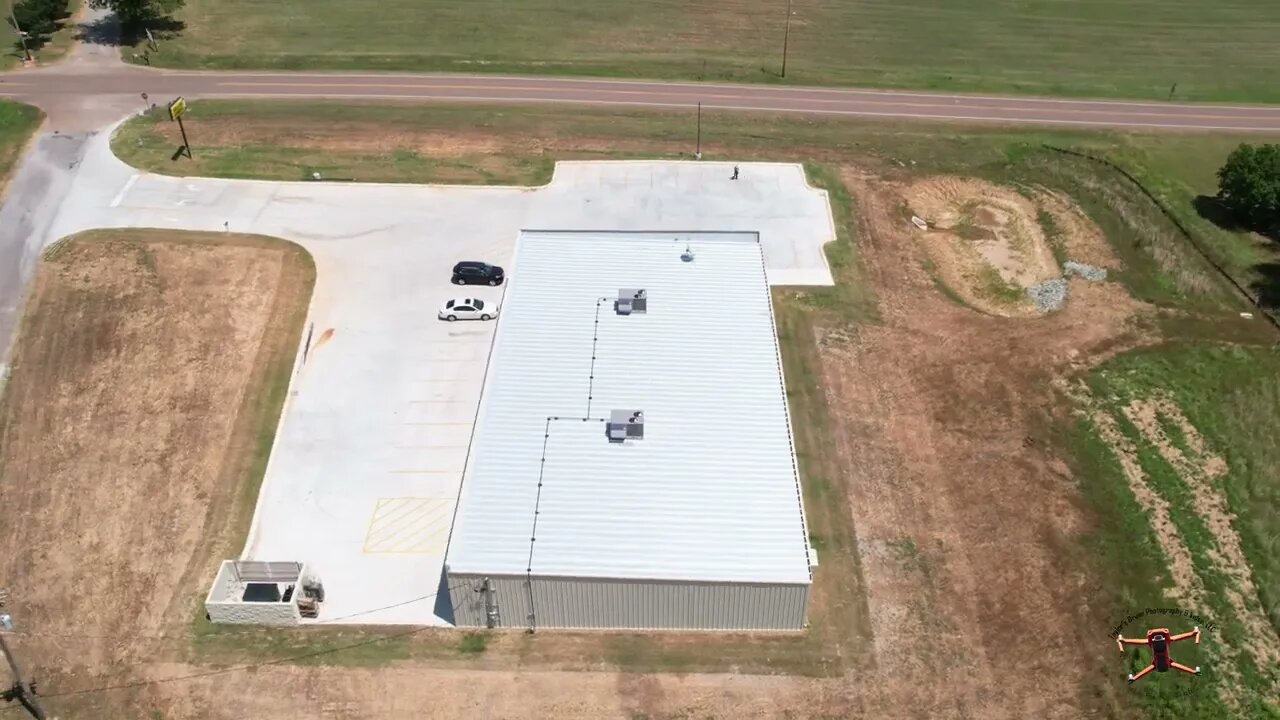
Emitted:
pixel 597 603
pixel 510 595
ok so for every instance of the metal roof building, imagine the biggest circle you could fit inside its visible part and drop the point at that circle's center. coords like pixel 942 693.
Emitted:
pixel 632 463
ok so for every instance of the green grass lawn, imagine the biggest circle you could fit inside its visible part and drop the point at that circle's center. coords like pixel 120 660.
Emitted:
pixel 1224 50
pixel 1183 175
pixel 17 123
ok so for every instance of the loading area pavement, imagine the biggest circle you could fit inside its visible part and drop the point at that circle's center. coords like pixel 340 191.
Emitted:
pixel 366 466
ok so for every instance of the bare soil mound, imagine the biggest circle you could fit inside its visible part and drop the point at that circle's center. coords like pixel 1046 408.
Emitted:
pixel 1080 238
pixel 985 243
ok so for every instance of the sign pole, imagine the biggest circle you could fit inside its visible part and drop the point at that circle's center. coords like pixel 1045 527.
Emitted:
pixel 698 153
pixel 183 130
pixel 786 35
pixel 177 109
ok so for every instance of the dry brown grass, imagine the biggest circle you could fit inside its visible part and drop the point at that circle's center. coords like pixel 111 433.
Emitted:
pixel 135 400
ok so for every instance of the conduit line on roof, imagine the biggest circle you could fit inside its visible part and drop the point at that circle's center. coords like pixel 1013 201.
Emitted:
pixel 595 339
pixel 542 461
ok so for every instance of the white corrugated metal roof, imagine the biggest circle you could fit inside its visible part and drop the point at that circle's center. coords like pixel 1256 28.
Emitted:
pixel 710 493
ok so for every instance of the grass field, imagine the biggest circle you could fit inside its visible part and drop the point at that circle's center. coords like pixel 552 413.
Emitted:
pixel 18 123
pixel 1213 51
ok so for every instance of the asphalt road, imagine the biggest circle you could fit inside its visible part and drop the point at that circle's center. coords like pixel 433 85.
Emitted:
pixel 55 86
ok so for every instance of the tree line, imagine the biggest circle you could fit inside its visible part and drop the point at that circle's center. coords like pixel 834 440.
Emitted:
pixel 135 15
pixel 37 20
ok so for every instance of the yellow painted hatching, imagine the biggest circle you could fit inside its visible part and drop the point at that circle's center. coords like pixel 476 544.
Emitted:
pixel 409 525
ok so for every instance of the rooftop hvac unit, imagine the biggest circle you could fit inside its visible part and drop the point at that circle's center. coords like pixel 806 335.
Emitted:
pixel 625 425
pixel 631 301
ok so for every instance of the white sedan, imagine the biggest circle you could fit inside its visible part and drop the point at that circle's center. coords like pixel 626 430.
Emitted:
pixel 467 309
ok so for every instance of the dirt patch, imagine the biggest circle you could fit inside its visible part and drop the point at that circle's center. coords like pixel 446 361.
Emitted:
pixel 939 412
pixel 985 242
pixel 124 437
pixel 311 136
pixel 400 693
pixel 382 139
pixel 1187 588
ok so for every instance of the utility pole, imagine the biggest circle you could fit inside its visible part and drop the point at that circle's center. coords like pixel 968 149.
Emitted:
pixel 786 35
pixel 22 691
pixel 698 153
pixel 21 35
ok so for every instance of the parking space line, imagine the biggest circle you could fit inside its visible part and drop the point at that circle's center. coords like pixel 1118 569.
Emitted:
pixel 425 472
pixel 119 198
pixel 392 530
pixel 409 525
pixel 441 424
pixel 442 402
pixel 438 402
pixel 398 512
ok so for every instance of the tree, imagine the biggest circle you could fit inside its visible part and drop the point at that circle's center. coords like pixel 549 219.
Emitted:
pixel 1249 185
pixel 38 19
pixel 134 15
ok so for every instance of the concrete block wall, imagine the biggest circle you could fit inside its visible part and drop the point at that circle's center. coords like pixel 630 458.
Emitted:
pixel 224 585
pixel 242 613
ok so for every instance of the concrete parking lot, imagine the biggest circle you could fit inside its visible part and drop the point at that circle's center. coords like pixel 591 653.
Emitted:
pixel 368 458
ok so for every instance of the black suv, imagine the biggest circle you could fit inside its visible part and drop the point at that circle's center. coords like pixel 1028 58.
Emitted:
pixel 477 273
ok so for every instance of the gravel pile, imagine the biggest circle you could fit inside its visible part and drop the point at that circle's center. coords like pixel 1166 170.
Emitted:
pixel 1088 272
pixel 1049 295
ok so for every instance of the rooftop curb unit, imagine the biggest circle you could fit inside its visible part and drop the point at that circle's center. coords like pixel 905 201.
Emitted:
pixel 691 522
pixel 631 301
pixel 625 425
